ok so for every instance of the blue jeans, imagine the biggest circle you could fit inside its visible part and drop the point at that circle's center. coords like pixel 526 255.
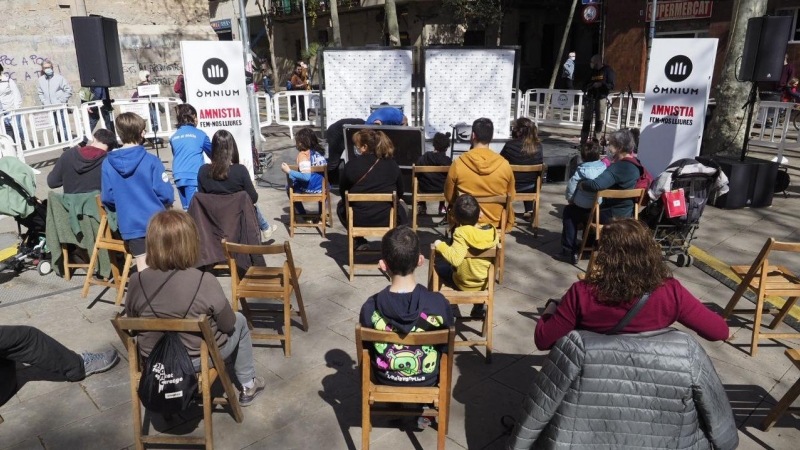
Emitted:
pixel 65 135
pixel 185 193
pixel 10 130
pixel 240 343
pixel 262 222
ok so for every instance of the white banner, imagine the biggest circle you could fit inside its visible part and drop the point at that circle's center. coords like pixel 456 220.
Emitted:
pixel 215 86
pixel 675 101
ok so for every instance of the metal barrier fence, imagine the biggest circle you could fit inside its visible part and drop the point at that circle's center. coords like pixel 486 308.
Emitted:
pixel 159 112
pixel 780 115
pixel 266 114
pixel 40 129
pixel 288 109
pixel 565 108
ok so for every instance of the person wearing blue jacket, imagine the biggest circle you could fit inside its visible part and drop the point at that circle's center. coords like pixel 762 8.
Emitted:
pixel 576 213
pixel 387 115
pixel 135 185
pixel 188 146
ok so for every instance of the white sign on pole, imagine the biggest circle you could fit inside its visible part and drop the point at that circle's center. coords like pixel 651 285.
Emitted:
pixel 563 100
pixel 43 121
pixel 675 101
pixel 142 109
pixel 148 90
pixel 215 86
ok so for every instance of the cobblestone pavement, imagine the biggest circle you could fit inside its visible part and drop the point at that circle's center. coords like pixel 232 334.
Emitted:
pixel 312 399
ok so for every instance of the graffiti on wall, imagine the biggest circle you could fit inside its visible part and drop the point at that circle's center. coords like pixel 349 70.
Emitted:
pixel 25 68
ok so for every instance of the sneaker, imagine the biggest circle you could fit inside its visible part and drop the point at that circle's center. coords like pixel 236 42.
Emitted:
pixel 247 396
pixel 99 362
pixel 266 234
pixel 442 210
pixel 423 422
pixel 361 244
pixel 527 215
pixel 478 311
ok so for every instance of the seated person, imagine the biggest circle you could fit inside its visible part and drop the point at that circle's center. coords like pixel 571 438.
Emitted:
pixel 334 135
pixel 628 265
pixel 79 169
pixel 28 345
pixel 434 182
pixel 524 150
pixel 172 288
pixel 303 180
pixel 576 213
pixel 405 306
pixel 135 184
pixel 623 173
pixel 457 271
pixel 226 176
pixel 372 171
pixel 481 173
pixel 387 115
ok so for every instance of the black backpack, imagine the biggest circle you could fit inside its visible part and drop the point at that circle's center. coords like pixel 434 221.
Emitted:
pixel 168 380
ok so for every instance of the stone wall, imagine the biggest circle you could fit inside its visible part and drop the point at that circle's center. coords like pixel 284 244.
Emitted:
pixel 150 32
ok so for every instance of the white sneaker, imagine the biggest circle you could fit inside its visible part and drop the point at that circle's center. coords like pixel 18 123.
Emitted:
pixel 266 234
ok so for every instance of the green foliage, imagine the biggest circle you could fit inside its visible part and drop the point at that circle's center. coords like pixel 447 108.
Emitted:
pixel 485 12
pixel 313 49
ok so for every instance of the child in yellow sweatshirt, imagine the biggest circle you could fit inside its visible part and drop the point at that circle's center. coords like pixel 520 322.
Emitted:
pixel 456 271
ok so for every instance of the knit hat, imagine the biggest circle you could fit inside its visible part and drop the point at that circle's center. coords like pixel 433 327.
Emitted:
pixel 143 74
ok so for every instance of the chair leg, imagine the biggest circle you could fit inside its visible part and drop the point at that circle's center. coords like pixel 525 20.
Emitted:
pixel 366 424
pixel 487 326
pixel 287 326
pixel 300 307
pixel 90 272
pixel 414 216
pixel 586 232
pixel 536 219
pixel 781 407
pixel 291 217
pixel 782 314
pixel 501 263
pixel 757 324
pixel 736 296
pixel 442 427
pixel 324 216
pixel 123 282
pixel 207 406
pixel 351 256
pixel 65 255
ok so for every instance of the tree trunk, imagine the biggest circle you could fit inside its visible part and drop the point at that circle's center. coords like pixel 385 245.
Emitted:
pixel 391 23
pixel 337 35
pixel 557 66
pixel 268 25
pixel 723 134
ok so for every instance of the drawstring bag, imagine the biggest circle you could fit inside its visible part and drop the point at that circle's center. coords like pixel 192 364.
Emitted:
pixel 168 380
pixel 674 203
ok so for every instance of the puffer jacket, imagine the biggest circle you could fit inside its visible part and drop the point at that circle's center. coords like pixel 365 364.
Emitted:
pixel 651 390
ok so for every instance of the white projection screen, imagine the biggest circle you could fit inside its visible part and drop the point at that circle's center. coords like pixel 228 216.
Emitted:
pixel 462 85
pixel 358 78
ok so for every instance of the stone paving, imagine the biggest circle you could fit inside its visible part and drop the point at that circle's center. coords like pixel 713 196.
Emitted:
pixel 312 399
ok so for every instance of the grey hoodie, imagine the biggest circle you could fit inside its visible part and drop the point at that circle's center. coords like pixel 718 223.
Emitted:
pixel 53 90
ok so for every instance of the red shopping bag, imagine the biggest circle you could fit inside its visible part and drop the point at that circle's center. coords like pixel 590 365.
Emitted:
pixel 674 203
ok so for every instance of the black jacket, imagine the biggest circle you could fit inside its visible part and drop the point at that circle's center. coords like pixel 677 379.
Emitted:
pixel 335 137
pixel 383 178
pixel 604 75
pixel 512 151
pixel 76 173
pixel 238 180
pixel 433 182
pixel 419 310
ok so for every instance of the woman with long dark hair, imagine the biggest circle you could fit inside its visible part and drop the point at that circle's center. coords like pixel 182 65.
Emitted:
pixel 226 176
pixel 628 265
pixel 524 150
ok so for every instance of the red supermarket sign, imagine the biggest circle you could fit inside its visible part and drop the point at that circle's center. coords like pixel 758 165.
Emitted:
pixel 680 10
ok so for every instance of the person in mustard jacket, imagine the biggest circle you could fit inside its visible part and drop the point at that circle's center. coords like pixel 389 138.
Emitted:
pixel 481 173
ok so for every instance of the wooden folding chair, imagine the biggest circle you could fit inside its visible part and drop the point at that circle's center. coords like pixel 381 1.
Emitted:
pixel 418 196
pixel 785 403
pixel 267 283
pixel 594 225
pixel 322 198
pixel 372 393
pixel 484 297
pixel 508 210
pixel 127 328
pixel 355 232
pixel 106 241
pixel 766 280
pixel 531 196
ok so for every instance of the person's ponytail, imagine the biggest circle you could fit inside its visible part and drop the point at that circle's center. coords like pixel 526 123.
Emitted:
pixel 385 148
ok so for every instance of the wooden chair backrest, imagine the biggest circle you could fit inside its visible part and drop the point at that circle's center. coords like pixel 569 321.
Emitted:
pixel 633 194
pixel 761 262
pixel 314 169
pixel 438 337
pixel 527 168
pixel 504 200
pixel 365 197
pixel 232 249
pixel 104 230
pixel 415 169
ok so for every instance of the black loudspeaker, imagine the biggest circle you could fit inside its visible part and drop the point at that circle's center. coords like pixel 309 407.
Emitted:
pixel 97 48
pixel 751 182
pixel 764 48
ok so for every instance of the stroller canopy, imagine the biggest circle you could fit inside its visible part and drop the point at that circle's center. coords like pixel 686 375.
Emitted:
pixel 17 188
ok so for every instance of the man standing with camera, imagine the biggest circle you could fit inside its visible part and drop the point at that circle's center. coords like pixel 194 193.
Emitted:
pixel 601 82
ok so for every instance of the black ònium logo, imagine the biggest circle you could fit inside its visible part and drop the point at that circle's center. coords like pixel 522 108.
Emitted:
pixel 678 68
pixel 215 71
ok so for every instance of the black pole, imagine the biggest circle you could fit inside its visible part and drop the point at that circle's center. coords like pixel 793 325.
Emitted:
pixel 751 102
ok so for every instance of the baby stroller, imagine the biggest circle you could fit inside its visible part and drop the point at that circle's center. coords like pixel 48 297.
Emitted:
pixel 17 188
pixel 699 183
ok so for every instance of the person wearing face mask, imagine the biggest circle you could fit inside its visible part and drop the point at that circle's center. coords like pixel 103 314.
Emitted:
pixel 568 71
pixel 10 98
pixel 601 81
pixel 53 89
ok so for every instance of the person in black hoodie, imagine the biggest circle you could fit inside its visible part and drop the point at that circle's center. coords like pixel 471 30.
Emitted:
pixel 334 136
pixel 434 182
pixel 602 81
pixel 524 150
pixel 372 171
pixel 405 306
pixel 78 169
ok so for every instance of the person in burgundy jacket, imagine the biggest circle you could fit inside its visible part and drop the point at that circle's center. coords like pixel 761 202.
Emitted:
pixel 628 265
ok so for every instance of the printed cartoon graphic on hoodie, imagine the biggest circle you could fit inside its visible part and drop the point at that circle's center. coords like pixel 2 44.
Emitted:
pixel 78 169
pixel 481 173
pixel 408 312
pixel 137 182
pixel 470 274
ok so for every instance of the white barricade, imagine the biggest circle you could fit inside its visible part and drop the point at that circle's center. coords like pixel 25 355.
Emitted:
pixel 159 112
pixel 266 115
pixel 565 108
pixel 625 110
pixel 777 136
pixel 40 129
pixel 287 108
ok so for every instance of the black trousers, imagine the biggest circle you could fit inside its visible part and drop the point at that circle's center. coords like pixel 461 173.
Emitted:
pixel 22 344
pixel 402 214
